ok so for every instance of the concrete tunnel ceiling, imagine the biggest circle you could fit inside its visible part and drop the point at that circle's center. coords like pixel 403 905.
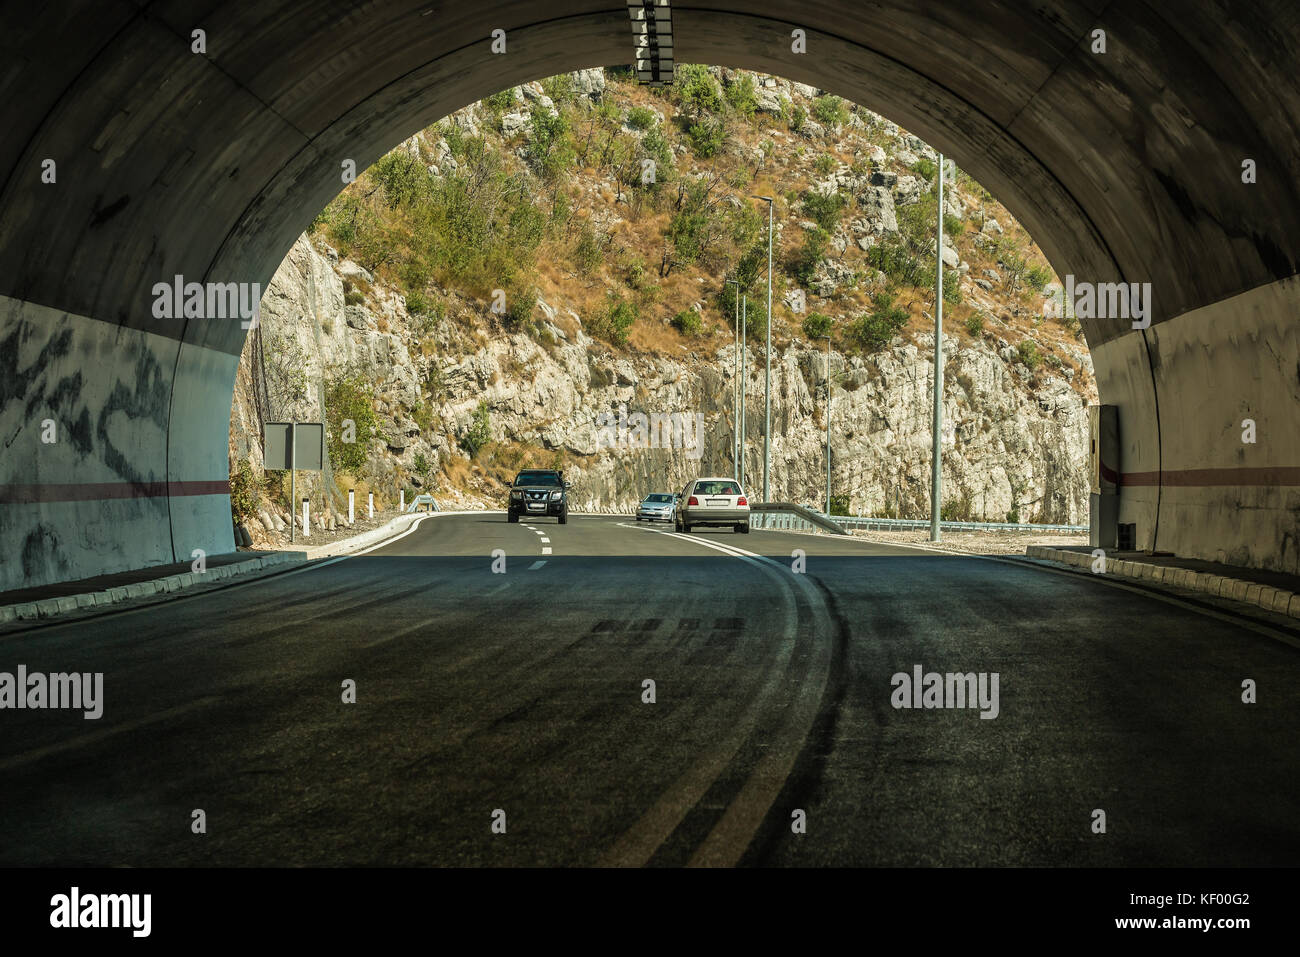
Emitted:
pixel 1124 165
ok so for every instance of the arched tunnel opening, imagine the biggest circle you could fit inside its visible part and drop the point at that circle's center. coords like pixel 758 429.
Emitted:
pixel 470 689
pixel 1131 165
pixel 495 272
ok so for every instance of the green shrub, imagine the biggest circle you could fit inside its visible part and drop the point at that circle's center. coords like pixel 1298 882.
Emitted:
pixel 353 297
pixel 803 264
pixel 952 287
pixel 550 150
pixel 350 422
pixel 559 88
pixel 874 330
pixel 830 111
pixel 614 323
pixel 901 262
pixel 839 505
pixel 656 147
pixel 925 169
pixel 824 164
pixel 422 415
pixel 688 322
pixel 797 118
pixel 641 118
pixel 696 90
pixel 742 96
pixel 1036 277
pixel 975 324
pixel 416 302
pixel 498 103
pixel 706 137
pixel 403 178
pixel 479 432
pixel 824 208
pixel 817 325
pixel 587 252
pixel 243 491
pixel 520 305
pixel 1029 354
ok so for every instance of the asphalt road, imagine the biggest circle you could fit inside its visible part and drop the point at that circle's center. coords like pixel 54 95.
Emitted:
pixel 523 692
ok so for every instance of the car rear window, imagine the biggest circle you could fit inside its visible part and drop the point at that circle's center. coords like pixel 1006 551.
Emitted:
pixel 717 488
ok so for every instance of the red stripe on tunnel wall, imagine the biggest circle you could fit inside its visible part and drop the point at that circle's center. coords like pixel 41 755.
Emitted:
pixel 99 491
pixel 1205 478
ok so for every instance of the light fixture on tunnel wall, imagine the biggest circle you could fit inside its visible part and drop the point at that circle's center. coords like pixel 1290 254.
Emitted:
pixel 652 40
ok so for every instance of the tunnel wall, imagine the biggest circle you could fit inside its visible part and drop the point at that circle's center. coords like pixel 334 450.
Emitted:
pixel 1222 498
pixel 102 496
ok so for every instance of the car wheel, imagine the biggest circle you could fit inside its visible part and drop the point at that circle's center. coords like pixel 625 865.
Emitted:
pixel 512 517
pixel 686 528
pixel 564 517
pixel 638 518
pixel 737 528
pixel 744 529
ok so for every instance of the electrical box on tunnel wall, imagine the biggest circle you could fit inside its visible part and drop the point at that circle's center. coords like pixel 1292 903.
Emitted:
pixel 1103 476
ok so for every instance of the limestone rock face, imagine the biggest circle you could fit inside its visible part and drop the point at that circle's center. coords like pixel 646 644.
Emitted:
pixel 1007 446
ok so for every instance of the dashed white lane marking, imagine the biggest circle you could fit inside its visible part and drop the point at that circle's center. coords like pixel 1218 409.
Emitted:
pixel 535 565
pixel 546 551
pixel 545 540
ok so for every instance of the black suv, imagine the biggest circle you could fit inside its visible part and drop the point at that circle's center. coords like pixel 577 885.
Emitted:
pixel 539 492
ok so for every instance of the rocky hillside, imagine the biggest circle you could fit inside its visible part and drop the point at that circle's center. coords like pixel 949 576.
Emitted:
pixel 510 286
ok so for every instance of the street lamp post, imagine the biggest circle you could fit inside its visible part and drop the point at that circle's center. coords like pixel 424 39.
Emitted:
pixel 735 387
pixel 828 423
pixel 744 371
pixel 767 387
pixel 936 463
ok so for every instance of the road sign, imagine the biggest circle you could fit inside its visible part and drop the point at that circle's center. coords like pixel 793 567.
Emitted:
pixel 308 442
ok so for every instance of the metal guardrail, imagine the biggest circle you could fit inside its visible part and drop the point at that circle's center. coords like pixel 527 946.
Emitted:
pixel 787 515
pixel 901 524
pixel 428 500
pixel 784 515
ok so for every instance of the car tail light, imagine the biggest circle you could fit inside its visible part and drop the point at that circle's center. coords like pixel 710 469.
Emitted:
pixel 693 501
pixel 742 501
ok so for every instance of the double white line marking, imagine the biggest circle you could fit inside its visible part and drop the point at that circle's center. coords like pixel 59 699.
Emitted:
pixel 726 843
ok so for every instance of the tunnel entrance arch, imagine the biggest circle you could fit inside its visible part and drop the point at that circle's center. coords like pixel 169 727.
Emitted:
pixel 1128 165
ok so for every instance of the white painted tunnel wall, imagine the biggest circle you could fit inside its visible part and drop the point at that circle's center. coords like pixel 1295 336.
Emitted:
pixel 108 389
pixel 1215 366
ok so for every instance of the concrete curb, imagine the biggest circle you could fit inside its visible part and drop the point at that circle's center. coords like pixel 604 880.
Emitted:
pixel 51 607
pixel 1251 593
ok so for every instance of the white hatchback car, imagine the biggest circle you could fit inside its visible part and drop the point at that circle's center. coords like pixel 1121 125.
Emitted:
pixel 712 501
